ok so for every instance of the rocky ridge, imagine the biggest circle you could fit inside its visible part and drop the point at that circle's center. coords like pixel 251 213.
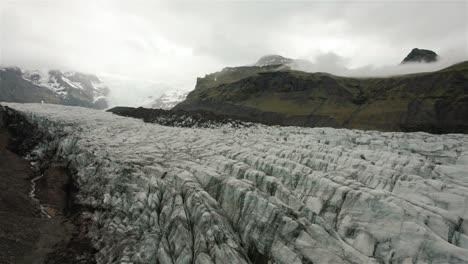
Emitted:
pixel 261 194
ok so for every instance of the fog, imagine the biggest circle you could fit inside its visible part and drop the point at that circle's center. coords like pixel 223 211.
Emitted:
pixel 141 48
pixel 337 65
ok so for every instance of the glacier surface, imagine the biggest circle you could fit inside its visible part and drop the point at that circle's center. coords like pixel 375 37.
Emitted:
pixel 261 194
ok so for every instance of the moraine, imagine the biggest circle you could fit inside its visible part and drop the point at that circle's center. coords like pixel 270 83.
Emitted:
pixel 261 194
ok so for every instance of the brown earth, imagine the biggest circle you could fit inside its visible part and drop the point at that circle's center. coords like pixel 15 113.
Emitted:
pixel 25 235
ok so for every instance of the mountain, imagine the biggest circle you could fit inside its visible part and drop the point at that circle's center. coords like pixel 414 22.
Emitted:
pixel 260 194
pixel 421 56
pixel 435 102
pixel 56 87
pixel 166 101
pixel 268 60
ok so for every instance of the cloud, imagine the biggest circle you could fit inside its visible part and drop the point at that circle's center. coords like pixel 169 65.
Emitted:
pixel 146 47
pixel 339 65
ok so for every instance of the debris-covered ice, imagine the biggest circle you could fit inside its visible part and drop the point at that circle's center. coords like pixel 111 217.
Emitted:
pixel 262 194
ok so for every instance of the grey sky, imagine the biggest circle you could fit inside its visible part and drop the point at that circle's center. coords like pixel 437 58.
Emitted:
pixel 143 47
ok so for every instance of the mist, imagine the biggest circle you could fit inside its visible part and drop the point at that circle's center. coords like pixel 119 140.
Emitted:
pixel 144 48
pixel 338 65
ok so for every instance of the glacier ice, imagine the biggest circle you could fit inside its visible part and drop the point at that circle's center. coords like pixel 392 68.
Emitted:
pixel 261 194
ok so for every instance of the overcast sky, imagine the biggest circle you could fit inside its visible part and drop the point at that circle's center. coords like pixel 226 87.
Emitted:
pixel 144 47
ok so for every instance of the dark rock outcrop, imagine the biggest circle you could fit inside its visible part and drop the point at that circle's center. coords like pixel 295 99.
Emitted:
pixel 179 118
pixel 421 55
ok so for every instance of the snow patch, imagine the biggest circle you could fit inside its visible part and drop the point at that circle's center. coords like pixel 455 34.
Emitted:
pixel 75 85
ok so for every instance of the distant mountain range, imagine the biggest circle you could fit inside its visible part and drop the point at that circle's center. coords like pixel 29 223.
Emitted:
pixel 57 87
pixel 165 101
pixel 271 92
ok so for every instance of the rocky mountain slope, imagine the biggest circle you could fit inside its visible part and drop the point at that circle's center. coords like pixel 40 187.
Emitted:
pixel 57 87
pixel 260 194
pixel 166 101
pixel 435 102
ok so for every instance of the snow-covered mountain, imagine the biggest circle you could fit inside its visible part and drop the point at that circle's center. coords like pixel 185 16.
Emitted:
pixel 260 194
pixel 68 88
pixel 166 101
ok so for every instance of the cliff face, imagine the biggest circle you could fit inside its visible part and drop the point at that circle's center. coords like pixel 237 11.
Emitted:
pixel 435 102
pixel 260 194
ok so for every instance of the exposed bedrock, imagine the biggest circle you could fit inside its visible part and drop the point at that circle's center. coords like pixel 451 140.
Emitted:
pixel 261 194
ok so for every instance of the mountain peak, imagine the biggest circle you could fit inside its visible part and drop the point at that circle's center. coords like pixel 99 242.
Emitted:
pixel 421 56
pixel 273 59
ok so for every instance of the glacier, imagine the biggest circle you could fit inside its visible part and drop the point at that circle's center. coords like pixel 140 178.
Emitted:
pixel 259 194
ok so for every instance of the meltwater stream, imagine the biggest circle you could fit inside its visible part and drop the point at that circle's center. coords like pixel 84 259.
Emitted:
pixel 32 195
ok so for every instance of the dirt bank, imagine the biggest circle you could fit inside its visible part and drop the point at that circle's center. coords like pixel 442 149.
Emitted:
pixel 26 235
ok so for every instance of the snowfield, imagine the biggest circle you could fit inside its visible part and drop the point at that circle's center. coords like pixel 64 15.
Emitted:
pixel 261 194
